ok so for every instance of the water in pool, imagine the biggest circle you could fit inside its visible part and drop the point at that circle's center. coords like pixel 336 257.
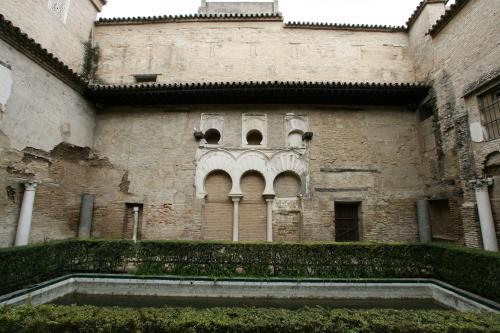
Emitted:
pixel 207 302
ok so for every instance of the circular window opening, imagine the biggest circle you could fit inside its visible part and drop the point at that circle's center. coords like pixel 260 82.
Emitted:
pixel 212 136
pixel 254 138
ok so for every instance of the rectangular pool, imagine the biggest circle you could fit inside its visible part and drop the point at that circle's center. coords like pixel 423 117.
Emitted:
pixel 139 291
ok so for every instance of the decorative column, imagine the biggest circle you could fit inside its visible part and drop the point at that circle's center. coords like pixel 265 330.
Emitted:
pixel 136 223
pixel 236 205
pixel 269 201
pixel 424 228
pixel 24 223
pixel 485 215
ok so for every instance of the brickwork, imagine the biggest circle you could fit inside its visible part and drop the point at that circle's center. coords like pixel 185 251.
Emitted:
pixel 462 53
pixel 384 158
pixel 253 208
pixel 218 208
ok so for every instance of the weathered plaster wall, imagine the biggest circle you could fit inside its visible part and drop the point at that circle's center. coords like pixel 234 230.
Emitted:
pixel 39 114
pixel 65 40
pixel 421 41
pixel 157 150
pixel 250 51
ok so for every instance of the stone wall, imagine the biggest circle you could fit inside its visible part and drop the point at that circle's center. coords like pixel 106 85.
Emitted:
pixel 364 154
pixel 64 39
pixel 40 113
pixel 249 51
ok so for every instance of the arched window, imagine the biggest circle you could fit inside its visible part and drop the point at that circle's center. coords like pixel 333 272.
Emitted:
pixel 212 136
pixel 254 137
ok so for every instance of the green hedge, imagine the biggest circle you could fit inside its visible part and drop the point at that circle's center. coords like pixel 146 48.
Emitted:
pixel 470 269
pixel 473 270
pixel 53 319
pixel 319 260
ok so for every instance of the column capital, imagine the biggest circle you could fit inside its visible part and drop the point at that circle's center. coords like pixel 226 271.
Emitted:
pixel 236 197
pixel 269 197
pixel 481 183
pixel 31 185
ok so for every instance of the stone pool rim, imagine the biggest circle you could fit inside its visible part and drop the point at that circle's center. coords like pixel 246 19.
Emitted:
pixel 495 307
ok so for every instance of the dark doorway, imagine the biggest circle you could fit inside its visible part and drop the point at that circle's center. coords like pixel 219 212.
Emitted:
pixel 346 222
pixel 441 223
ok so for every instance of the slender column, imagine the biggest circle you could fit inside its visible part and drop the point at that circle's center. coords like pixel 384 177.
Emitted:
pixel 424 228
pixel 269 201
pixel 24 224
pixel 136 223
pixel 485 215
pixel 236 205
pixel 86 214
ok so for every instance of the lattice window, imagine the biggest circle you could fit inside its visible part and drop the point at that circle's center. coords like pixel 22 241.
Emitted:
pixel 489 103
pixel 59 8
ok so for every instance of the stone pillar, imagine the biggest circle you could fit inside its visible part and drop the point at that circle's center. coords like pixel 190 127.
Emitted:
pixel 86 215
pixel 236 205
pixel 424 227
pixel 485 215
pixel 269 201
pixel 24 224
pixel 136 223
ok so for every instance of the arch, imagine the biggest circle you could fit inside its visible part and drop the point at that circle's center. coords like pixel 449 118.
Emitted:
pixel 287 185
pixel 492 164
pixel 492 170
pixel 211 161
pixel 287 161
pixel 218 207
pixel 253 207
pixel 212 136
pixel 254 137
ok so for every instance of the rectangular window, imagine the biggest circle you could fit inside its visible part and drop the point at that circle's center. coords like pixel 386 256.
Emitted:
pixel 346 222
pixel 59 8
pixel 145 78
pixel 489 104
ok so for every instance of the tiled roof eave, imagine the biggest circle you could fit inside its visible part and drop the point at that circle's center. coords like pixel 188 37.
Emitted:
pixel 191 18
pixel 447 17
pixel 31 49
pixel 348 27
pixel 259 92
pixel 420 8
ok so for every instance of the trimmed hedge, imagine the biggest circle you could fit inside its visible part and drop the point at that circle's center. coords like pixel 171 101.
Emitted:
pixel 50 318
pixel 473 270
pixel 470 269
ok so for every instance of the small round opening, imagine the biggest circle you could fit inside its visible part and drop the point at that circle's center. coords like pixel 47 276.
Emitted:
pixel 212 136
pixel 254 137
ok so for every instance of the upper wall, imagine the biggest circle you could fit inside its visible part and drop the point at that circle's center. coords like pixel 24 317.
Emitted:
pixel 65 35
pixel 38 109
pixel 204 51
pixel 238 7
pixel 420 40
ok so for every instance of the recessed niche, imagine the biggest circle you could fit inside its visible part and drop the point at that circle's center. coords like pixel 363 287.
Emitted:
pixel 254 130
